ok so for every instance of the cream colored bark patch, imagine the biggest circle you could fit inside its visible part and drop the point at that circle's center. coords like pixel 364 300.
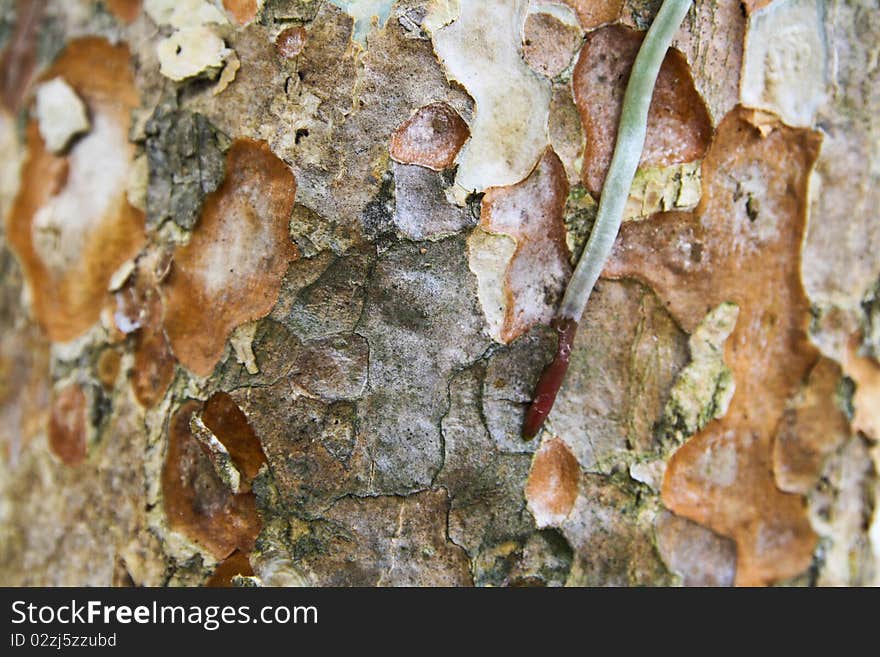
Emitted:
pixel 61 114
pixel 661 189
pixel 705 387
pixel 98 169
pixel 190 51
pixel 227 76
pixel 649 473
pixel 488 257
pixel 785 62
pixel 183 13
pixel 217 453
pixel 481 50
pixel 136 187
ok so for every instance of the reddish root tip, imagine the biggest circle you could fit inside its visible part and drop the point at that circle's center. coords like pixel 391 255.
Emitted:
pixel 551 378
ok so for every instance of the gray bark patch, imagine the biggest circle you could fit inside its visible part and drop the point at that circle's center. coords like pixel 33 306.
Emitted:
pixel 186 159
pixel 422 323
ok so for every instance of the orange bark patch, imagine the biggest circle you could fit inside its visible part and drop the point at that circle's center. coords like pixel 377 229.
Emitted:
pixel 742 244
pixel 107 367
pixel 154 363
pixel 679 127
pixel 290 42
pixel 70 224
pixel 751 6
pixel 124 10
pixel 549 44
pixel 231 270
pixel 552 487
pixel 430 138
pixel 531 212
pixel 153 368
pixel 592 13
pixel 242 11
pixel 230 426
pixel 236 563
pixel 812 428
pixel 197 503
pixel 19 59
pixel 138 309
pixel 67 425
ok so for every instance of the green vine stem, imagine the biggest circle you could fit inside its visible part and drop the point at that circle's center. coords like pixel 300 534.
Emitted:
pixel 627 153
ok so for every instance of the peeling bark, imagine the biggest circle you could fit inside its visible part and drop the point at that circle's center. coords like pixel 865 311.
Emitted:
pixel 272 305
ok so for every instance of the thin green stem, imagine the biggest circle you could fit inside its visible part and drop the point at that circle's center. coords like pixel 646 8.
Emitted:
pixel 627 152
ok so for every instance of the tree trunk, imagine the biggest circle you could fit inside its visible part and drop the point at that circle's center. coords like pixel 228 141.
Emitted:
pixel 278 278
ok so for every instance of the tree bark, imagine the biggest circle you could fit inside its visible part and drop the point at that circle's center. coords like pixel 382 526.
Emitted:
pixel 278 278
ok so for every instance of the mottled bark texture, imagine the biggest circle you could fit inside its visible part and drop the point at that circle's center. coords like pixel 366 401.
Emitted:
pixel 275 314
